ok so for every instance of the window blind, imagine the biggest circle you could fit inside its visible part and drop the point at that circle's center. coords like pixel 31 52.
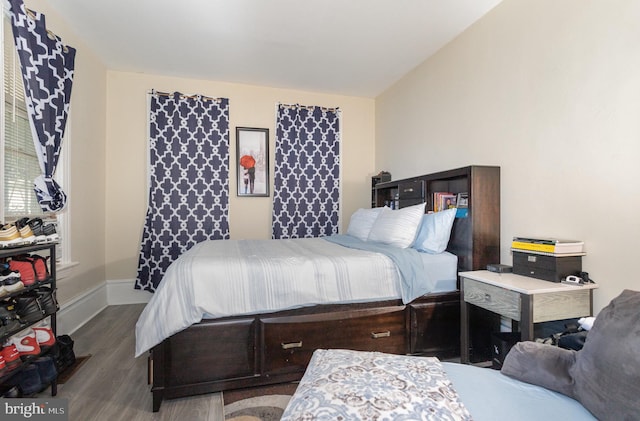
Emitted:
pixel 20 160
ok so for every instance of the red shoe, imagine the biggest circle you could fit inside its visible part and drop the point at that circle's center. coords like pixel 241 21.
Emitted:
pixel 11 356
pixel 3 366
pixel 26 343
pixel 44 336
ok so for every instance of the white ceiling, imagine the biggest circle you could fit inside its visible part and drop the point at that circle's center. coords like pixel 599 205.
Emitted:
pixel 348 47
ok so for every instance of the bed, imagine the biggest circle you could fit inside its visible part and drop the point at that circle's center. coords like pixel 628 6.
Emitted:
pixel 277 275
pixel 212 334
pixel 537 381
pixel 355 385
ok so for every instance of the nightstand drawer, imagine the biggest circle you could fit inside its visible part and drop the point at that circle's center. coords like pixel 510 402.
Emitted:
pixel 498 300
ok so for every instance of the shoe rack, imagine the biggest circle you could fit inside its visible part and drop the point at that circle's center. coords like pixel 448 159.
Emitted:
pixel 5 255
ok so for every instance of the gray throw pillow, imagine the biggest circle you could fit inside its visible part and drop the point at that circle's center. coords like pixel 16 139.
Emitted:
pixel 541 364
pixel 607 370
pixel 604 376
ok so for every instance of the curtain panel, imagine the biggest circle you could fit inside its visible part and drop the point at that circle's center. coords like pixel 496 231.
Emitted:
pixel 189 180
pixel 47 71
pixel 307 172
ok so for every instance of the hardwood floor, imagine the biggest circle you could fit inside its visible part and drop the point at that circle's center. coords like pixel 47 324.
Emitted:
pixel 112 384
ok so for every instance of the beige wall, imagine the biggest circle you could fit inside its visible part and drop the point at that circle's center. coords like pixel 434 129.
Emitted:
pixel 249 106
pixel 86 152
pixel 550 92
pixel 547 90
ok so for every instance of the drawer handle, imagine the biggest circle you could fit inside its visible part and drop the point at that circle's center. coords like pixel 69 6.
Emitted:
pixel 377 335
pixel 291 345
pixel 487 297
pixel 409 190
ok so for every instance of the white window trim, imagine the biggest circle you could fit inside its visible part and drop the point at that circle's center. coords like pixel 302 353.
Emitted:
pixel 63 177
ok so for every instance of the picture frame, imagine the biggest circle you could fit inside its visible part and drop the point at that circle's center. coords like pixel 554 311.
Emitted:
pixel 252 161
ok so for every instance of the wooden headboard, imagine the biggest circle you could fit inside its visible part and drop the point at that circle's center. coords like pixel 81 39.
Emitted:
pixel 475 237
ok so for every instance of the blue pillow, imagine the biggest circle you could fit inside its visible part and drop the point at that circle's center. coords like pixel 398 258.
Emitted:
pixel 435 230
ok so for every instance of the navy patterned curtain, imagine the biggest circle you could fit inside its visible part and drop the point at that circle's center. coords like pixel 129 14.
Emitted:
pixel 47 71
pixel 189 180
pixel 307 172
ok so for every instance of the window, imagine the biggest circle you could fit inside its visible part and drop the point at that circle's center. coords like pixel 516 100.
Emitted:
pixel 19 162
pixel 20 159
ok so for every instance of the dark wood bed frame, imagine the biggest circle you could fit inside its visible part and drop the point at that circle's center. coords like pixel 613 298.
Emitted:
pixel 247 351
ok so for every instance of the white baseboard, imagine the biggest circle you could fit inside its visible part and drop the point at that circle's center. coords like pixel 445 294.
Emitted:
pixel 80 310
pixel 121 291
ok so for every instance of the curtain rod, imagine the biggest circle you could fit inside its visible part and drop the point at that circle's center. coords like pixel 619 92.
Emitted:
pixel 309 107
pixel 206 98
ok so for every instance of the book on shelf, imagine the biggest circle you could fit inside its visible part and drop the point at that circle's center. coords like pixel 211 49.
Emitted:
pixel 443 201
pixel 547 245
pixel 462 200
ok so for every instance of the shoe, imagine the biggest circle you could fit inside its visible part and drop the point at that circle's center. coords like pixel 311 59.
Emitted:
pixel 26 343
pixel 11 356
pixel 11 281
pixel 28 307
pixel 9 319
pixel 25 231
pixel 44 335
pixel 46 369
pixel 63 352
pixel 10 236
pixel 38 230
pixel 28 381
pixel 51 233
pixel 3 291
pixel 32 267
pixel 9 273
pixel 47 300
pixel 12 392
pixel 38 264
pixel 3 366
pixel 4 273
pixel 25 269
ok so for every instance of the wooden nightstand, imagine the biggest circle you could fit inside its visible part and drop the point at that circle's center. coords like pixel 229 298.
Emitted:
pixel 522 299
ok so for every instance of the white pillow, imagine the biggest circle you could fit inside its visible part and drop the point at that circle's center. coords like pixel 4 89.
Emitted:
pixel 397 227
pixel 361 222
pixel 435 230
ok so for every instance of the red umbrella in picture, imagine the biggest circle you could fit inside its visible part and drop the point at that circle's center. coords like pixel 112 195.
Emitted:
pixel 247 161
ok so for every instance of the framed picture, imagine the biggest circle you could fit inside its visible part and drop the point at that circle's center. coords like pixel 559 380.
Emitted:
pixel 252 153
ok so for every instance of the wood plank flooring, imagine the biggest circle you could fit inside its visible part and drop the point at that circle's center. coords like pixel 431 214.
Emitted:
pixel 112 384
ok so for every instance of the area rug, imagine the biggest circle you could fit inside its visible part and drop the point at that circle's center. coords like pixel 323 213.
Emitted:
pixel 257 404
pixel 71 370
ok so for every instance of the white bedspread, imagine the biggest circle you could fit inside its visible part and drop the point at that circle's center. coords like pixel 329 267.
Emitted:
pixel 236 277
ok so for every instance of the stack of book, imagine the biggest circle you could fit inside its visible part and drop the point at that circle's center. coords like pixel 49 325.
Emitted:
pixel 443 201
pixel 548 246
pixel 447 200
